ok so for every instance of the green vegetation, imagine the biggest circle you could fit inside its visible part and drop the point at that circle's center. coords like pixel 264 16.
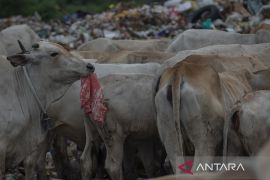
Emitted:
pixel 56 8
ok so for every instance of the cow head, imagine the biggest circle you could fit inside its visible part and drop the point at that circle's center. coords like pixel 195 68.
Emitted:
pixel 51 68
pixel 53 61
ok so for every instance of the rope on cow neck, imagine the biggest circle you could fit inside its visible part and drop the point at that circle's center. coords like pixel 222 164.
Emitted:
pixel 46 121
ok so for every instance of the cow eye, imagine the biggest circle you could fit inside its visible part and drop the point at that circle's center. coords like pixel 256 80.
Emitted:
pixel 54 54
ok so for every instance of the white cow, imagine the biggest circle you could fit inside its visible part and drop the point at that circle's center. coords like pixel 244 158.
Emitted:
pixel 130 114
pixel 26 92
pixel 195 39
pixel 106 69
pixel 251 120
pixel 10 35
pixel 260 51
pixel 2 47
pixel 71 118
pixel 109 45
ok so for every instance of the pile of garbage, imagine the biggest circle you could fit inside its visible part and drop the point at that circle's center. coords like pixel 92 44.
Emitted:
pixel 149 21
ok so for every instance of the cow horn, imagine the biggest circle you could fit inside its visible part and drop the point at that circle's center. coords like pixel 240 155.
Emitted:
pixel 22 47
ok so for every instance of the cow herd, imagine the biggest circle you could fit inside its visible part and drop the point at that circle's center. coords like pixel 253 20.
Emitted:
pixel 203 95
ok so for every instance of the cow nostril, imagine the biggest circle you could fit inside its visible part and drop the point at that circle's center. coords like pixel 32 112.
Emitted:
pixel 90 67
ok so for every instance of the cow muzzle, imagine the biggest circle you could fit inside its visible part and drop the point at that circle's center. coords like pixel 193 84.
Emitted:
pixel 90 67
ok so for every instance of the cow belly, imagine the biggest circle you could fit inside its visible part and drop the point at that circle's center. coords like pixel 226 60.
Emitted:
pixel 11 121
pixel 130 103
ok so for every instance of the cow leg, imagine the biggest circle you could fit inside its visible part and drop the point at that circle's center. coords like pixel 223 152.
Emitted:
pixel 61 159
pixel 2 160
pixel 41 164
pixel 147 157
pixel 204 153
pixel 30 166
pixel 87 161
pixel 152 157
pixel 205 138
pixel 34 164
pixel 114 159
pixel 59 155
pixel 129 162
pixel 166 128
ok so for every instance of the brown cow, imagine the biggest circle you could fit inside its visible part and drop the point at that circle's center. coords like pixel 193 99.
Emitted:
pixel 124 56
pixel 109 45
pixel 202 111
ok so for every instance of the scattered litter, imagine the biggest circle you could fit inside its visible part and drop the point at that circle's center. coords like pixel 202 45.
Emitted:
pixel 155 21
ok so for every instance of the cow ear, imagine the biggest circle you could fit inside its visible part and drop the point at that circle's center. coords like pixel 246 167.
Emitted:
pixel 18 60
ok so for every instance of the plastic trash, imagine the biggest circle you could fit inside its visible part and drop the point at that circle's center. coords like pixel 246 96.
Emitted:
pixel 208 24
pixel 184 6
pixel 155 21
pixel 172 3
pixel 254 6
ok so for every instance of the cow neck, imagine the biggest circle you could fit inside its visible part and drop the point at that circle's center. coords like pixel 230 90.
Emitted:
pixel 41 96
pixel 28 103
pixel 31 130
pixel 33 90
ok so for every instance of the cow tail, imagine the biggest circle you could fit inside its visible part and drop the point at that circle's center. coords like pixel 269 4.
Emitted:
pixel 225 138
pixel 176 95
